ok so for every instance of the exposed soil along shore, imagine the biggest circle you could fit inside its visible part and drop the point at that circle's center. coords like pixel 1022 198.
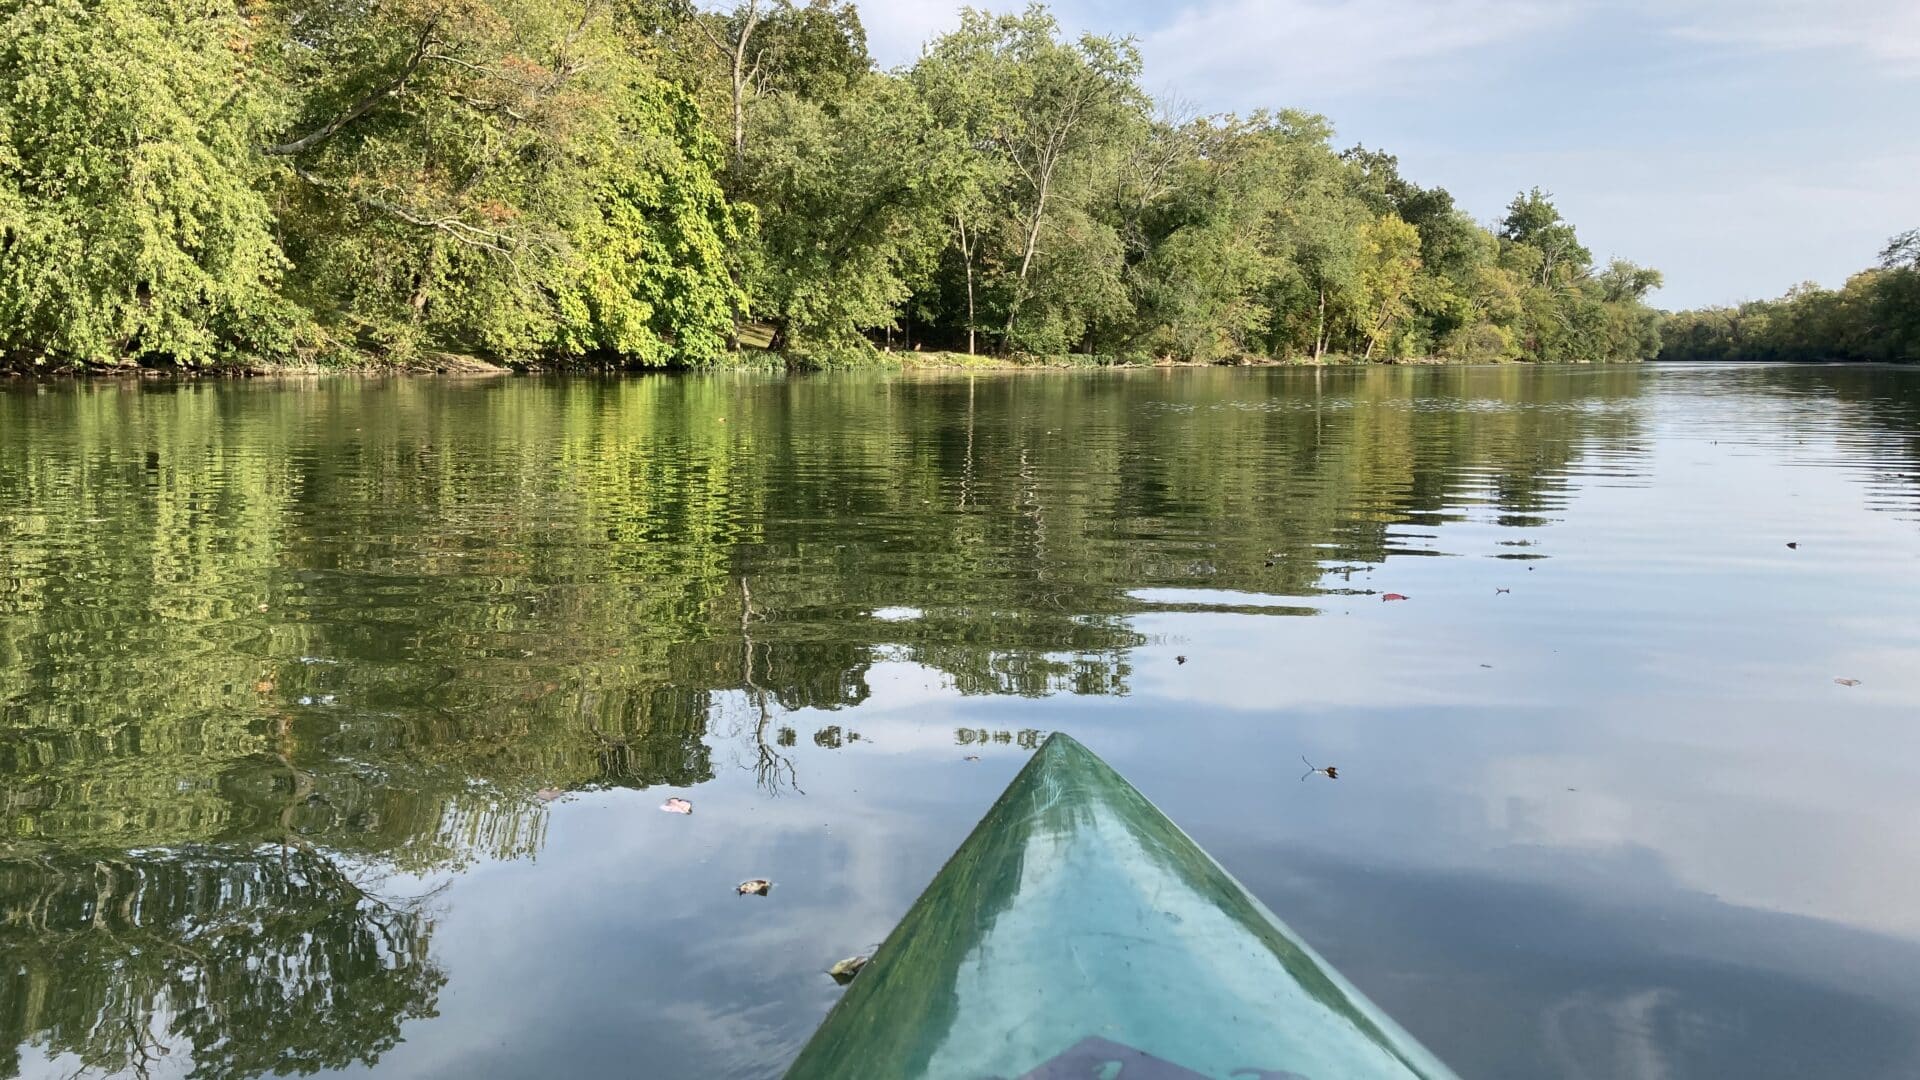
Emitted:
pixel 450 364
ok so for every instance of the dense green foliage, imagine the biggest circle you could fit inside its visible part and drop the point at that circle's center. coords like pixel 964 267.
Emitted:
pixel 1875 316
pixel 641 183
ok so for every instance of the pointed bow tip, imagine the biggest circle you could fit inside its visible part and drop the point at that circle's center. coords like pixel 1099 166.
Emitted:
pixel 1060 751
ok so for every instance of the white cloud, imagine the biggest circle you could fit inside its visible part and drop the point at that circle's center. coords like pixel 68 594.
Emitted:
pixel 1260 52
pixel 1885 31
pixel 1238 50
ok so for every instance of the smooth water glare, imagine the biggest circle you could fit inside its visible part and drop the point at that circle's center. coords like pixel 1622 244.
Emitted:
pixel 336 718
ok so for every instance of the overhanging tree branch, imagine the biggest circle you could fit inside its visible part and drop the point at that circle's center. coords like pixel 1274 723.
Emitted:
pixel 460 231
pixel 421 51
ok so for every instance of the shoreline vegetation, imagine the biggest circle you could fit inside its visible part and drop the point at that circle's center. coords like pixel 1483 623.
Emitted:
pixel 924 360
pixel 1874 317
pixel 642 184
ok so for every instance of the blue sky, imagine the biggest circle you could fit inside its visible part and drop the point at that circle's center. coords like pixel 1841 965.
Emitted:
pixel 1741 146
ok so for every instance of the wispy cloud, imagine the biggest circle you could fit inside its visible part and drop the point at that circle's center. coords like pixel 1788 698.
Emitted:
pixel 1243 52
pixel 1886 32
pixel 1301 44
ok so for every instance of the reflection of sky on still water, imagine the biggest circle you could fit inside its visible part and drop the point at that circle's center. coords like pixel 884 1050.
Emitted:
pixel 1617 821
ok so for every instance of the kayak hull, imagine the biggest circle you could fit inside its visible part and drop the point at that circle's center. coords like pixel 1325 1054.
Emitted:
pixel 1079 933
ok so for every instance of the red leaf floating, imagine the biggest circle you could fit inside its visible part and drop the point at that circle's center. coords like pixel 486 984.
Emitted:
pixel 1393 596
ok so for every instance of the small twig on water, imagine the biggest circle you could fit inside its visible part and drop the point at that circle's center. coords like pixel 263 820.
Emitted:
pixel 1331 772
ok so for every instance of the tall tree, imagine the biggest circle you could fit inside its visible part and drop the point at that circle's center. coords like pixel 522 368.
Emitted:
pixel 1389 265
pixel 1534 222
pixel 1043 107
pixel 134 220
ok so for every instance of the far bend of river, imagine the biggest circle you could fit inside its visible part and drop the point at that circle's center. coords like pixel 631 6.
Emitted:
pixel 336 716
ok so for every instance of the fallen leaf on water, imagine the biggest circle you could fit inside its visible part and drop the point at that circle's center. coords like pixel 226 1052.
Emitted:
pixel 755 887
pixel 1488 666
pixel 548 794
pixel 844 971
pixel 1848 682
pixel 264 686
pixel 973 757
pixel 677 806
pixel 1179 659
pixel 1793 545
pixel 263 607
pixel 1497 590
pixel 1394 596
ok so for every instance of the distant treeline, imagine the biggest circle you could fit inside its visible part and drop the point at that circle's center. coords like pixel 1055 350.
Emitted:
pixel 638 183
pixel 1874 316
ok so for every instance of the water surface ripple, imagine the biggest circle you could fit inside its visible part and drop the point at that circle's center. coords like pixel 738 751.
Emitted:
pixel 336 716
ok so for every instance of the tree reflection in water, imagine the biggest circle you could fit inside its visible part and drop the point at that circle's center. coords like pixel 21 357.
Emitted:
pixel 260 647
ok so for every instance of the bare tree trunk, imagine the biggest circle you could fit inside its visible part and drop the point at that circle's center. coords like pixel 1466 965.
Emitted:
pixel 1026 260
pixel 740 73
pixel 966 258
pixel 1033 233
pixel 741 76
pixel 1373 332
pixel 1320 331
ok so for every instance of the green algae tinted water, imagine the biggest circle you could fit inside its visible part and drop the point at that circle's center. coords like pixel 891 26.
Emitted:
pixel 336 717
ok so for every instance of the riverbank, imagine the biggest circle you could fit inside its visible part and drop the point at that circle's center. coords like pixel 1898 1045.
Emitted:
pixel 445 364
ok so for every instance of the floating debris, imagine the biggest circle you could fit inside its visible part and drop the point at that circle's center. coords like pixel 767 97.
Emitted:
pixel 1331 772
pixel 1848 682
pixel 972 757
pixel 1179 659
pixel 548 794
pixel 1794 545
pixel 844 971
pixel 754 887
pixel 1497 590
pixel 677 806
pixel 1394 596
pixel 264 686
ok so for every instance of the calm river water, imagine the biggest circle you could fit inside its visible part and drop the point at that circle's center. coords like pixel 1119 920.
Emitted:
pixel 336 717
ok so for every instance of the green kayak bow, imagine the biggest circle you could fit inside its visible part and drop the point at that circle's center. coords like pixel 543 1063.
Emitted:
pixel 1079 934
